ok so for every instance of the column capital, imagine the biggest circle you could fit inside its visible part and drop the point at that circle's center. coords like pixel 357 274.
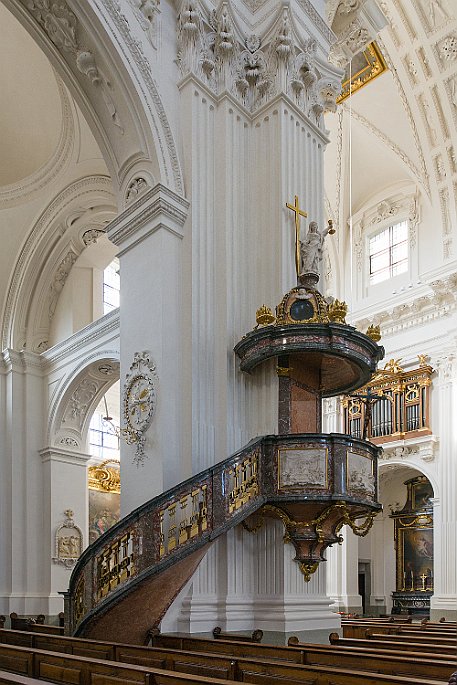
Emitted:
pixel 21 361
pixel 158 208
pixel 64 455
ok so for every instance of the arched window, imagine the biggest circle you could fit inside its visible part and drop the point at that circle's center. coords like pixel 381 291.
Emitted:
pixel 389 252
pixel 103 441
pixel 111 286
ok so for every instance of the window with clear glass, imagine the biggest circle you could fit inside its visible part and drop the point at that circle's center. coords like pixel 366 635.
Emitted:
pixel 389 253
pixel 111 286
pixel 103 441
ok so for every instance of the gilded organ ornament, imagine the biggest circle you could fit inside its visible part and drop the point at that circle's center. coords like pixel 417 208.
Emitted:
pixel 139 402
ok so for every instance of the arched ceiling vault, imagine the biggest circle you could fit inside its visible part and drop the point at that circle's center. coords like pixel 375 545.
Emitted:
pixel 404 123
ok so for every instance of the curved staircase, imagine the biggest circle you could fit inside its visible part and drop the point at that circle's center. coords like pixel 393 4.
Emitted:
pixel 125 581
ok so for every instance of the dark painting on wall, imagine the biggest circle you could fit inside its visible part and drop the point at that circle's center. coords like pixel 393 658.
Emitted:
pixel 416 549
pixel 422 493
pixel 104 512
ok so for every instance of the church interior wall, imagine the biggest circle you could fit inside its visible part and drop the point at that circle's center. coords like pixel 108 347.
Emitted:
pixel 208 273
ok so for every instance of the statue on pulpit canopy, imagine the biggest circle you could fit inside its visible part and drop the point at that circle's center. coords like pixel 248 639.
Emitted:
pixel 311 248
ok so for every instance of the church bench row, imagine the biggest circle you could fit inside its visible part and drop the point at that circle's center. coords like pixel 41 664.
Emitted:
pixel 268 651
pixel 34 624
pixel 415 636
pixel 359 630
pixel 389 642
pixel 73 670
pixel 15 679
pixel 404 625
pixel 294 652
pixel 226 666
pixel 77 670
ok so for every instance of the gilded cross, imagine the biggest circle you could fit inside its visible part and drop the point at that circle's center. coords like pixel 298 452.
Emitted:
pixel 298 213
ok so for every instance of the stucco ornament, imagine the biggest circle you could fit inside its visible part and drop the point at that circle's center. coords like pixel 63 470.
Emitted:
pixel 61 25
pixel 139 403
pixel 68 542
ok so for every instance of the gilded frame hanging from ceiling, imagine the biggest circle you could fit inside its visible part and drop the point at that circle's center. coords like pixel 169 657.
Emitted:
pixel 364 67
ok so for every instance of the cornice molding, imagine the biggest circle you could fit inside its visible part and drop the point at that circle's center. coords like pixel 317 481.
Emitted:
pixel 437 300
pixel 107 325
pixel 158 208
pixel 64 455
pixel 424 448
pixel 22 361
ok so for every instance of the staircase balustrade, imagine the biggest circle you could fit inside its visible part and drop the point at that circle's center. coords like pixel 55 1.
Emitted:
pixel 192 514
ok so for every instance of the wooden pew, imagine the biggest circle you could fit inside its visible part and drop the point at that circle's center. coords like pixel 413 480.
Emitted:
pixel 359 629
pixel 36 625
pixel 73 670
pixel 423 637
pixel 15 679
pixel 189 643
pixel 389 663
pixel 316 665
pixel 391 643
pixel 256 636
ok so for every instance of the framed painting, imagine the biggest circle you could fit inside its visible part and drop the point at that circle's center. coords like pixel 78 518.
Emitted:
pixel 415 558
pixel 299 467
pixel 104 512
pixel 363 68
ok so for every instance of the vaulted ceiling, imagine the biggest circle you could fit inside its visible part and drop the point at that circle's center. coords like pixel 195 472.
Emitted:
pixel 403 123
pixel 402 126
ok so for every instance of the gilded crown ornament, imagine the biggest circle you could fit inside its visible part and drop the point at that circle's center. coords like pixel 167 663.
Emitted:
pixel 264 316
pixel 374 332
pixel 337 311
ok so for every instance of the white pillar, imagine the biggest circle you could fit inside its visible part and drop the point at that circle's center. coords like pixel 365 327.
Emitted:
pixel 342 573
pixel 149 236
pixel 382 565
pixel 249 581
pixel 64 487
pixel 444 600
pixel 22 557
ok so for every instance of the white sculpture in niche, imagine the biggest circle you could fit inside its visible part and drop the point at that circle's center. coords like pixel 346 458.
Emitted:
pixel 68 542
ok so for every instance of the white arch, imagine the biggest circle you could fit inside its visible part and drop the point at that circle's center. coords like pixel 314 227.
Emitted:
pixel 407 463
pixel 112 82
pixel 77 397
pixel 28 289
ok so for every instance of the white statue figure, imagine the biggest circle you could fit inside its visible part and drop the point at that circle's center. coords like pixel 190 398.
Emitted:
pixel 311 249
